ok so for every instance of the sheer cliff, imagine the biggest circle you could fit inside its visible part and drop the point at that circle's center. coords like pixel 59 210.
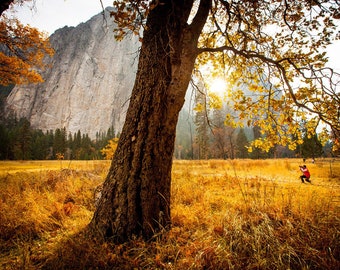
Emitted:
pixel 88 84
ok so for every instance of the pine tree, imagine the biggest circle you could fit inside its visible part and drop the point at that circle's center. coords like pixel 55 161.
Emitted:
pixel 59 143
pixel 202 126
pixel 311 147
pixel 40 148
pixel 22 142
pixel 241 143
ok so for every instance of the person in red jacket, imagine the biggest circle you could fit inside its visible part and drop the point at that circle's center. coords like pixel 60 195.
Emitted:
pixel 305 175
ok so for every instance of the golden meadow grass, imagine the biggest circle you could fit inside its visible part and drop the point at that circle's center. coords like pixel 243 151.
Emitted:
pixel 234 214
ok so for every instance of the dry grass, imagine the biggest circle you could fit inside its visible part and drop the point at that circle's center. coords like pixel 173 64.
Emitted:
pixel 240 214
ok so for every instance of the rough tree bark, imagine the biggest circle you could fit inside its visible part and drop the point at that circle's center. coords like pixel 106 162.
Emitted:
pixel 4 5
pixel 136 193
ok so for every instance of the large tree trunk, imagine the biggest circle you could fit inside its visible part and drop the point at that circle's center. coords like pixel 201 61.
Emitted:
pixel 4 5
pixel 136 193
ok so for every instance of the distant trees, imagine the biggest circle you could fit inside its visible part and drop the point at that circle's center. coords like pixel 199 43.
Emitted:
pixel 212 138
pixel 59 142
pixel 22 142
pixel 242 143
pixel 185 132
pixel 40 143
pixel 311 147
pixel 222 136
pixel 19 141
pixel 202 126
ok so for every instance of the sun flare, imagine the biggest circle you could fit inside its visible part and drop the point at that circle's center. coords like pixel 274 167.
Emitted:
pixel 218 86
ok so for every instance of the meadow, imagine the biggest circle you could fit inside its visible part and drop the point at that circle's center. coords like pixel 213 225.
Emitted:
pixel 226 214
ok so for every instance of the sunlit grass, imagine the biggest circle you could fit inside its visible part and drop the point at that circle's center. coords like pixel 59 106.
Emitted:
pixel 234 214
pixel 10 167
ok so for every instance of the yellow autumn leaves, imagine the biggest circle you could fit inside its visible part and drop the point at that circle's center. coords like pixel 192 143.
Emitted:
pixel 109 150
pixel 22 54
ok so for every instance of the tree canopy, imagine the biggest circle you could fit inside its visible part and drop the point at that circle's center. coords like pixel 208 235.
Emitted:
pixel 22 52
pixel 274 49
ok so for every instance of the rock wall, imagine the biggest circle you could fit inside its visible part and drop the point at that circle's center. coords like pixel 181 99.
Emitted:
pixel 88 84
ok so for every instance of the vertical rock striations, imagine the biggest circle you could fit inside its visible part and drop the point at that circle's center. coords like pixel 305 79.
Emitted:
pixel 88 85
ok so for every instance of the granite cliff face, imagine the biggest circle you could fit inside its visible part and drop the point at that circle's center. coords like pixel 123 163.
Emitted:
pixel 89 82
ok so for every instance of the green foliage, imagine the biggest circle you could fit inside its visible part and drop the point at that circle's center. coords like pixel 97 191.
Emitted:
pixel 241 144
pixel 59 142
pixel 22 143
pixel 40 145
pixel 19 141
pixel 311 147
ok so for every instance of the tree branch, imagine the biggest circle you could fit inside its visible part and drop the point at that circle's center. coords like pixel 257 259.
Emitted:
pixel 200 18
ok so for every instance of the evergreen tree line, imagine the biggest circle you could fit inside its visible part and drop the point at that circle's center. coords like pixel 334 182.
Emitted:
pixel 197 138
pixel 19 141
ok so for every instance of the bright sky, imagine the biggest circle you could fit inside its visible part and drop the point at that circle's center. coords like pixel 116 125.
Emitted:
pixel 50 15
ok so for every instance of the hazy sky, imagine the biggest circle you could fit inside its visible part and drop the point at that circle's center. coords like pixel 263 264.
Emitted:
pixel 50 15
